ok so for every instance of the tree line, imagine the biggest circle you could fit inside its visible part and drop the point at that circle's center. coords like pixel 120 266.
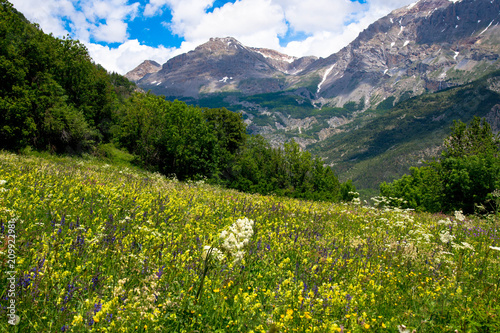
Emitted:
pixel 465 177
pixel 54 98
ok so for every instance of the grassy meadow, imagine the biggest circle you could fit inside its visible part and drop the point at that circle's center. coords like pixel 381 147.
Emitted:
pixel 109 248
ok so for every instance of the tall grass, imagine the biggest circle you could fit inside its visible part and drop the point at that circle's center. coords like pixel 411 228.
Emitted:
pixel 105 248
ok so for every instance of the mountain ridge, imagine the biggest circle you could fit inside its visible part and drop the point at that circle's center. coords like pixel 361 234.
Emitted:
pixel 391 50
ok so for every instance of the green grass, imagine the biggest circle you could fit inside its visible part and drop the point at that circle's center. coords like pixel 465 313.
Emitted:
pixel 106 248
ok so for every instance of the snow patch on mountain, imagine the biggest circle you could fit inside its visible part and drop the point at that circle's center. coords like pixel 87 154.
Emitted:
pixel 410 6
pixel 324 78
pixel 482 32
pixel 279 58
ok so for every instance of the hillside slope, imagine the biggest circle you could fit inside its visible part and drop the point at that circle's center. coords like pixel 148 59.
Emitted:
pixel 382 144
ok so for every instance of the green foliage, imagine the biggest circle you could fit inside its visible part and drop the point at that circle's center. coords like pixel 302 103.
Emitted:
pixel 420 190
pixel 171 137
pixel 230 132
pixel 348 191
pixel 353 106
pixel 475 139
pixel 123 87
pixel 51 95
pixel 259 168
pixel 109 152
pixel 465 177
pixel 387 103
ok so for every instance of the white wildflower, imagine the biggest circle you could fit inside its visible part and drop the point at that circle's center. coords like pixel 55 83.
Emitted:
pixel 459 215
pixel 445 222
pixel 467 246
pixel 216 253
pixel 446 237
pixel 3 182
pixel 238 235
pixel 496 248
pixel 403 329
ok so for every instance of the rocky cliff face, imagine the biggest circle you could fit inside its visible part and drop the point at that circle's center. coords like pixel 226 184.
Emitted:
pixel 427 46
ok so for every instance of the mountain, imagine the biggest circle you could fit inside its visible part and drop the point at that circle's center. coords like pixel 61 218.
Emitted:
pixel 222 65
pixel 427 46
pixel 347 107
pixel 147 67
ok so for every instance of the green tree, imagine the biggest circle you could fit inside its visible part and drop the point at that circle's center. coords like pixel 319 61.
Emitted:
pixel 170 137
pixel 286 171
pixel 465 176
pixel 230 132
pixel 51 94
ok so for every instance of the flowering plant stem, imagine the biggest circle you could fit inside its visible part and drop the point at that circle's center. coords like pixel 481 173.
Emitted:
pixel 206 267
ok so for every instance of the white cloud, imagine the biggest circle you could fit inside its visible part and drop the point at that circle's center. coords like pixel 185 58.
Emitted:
pixel 128 55
pixel 85 18
pixel 46 13
pixel 154 7
pixel 318 15
pixel 252 22
pixel 113 31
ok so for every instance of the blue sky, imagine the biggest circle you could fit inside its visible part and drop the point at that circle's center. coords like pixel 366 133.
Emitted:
pixel 120 34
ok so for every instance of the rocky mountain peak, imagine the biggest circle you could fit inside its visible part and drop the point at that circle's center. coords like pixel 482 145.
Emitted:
pixel 146 67
pixel 423 47
pixel 219 46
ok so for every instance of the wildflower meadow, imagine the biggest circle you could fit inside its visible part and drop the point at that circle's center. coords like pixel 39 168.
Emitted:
pixel 87 246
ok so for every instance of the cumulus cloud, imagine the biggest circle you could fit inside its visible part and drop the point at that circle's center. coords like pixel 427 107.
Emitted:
pixel 47 14
pixel 128 55
pixel 103 21
pixel 319 15
pixel 252 22
pixel 113 31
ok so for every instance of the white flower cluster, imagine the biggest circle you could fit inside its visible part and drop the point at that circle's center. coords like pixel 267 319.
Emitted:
pixel 216 253
pixel 238 235
pixel 446 222
pixel 233 241
pixel 459 215
pixel 3 182
pixel 445 236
